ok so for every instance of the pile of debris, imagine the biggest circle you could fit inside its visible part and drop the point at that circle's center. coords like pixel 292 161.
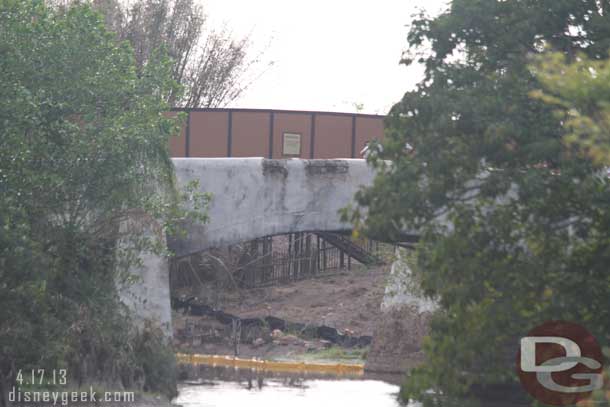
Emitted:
pixel 253 329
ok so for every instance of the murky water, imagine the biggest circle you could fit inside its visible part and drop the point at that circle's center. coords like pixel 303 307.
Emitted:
pixel 318 393
pixel 214 387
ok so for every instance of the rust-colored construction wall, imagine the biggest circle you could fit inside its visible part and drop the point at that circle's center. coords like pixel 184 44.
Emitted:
pixel 248 132
pixel 333 136
pixel 208 134
pixel 367 129
pixel 177 142
pixel 291 123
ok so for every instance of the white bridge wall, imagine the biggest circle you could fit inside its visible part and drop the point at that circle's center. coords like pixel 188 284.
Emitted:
pixel 255 197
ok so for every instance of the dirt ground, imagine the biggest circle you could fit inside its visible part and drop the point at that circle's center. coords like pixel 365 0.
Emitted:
pixel 349 301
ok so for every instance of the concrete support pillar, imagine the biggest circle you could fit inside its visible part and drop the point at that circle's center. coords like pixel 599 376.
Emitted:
pixel 148 296
pixel 405 321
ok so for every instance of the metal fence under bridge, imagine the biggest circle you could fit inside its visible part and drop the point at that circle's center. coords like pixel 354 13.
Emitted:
pixel 281 259
pixel 276 260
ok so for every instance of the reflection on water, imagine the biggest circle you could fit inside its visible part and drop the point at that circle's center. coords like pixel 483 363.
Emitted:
pixel 206 386
pixel 276 393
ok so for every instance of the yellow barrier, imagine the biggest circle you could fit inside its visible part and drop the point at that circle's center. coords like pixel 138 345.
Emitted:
pixel 272 366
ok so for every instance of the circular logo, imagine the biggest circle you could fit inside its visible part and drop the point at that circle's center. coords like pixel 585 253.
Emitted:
pixel 560 363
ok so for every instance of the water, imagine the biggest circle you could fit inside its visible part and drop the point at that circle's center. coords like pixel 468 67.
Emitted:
pixel 318 393
pixel 214 387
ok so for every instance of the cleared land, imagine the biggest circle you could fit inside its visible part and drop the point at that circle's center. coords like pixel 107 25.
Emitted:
pixel 347 301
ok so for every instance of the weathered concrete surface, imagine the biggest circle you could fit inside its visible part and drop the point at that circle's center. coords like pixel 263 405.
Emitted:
pixel 251 198
pixel 149 296
pixel 405 321
pixel 255 197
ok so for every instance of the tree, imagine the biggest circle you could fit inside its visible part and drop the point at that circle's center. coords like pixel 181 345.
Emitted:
pixel 83 146
pixel 214 68
pixel 529 219
pixel 581 92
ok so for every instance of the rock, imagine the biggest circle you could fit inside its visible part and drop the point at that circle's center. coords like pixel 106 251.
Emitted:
pixel 328 333
pixel 364 341
pixel 200 310
pixel 276 333
pixel 258 342
pixel 275 323
pixel 325 344
pixel 349 341
pixel 181 304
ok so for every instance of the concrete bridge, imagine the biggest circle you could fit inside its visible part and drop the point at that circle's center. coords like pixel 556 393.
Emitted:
pixel 256 197
pixel 251 198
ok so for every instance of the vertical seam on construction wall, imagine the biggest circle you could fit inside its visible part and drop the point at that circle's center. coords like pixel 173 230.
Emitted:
pixel 229 133
pixel 312 136
pixel 187 136
pixel 271 125
pixel 354 136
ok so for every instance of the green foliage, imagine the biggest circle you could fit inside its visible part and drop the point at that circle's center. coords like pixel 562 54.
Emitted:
pixel 513 223
pixel 337 353
pixel 581 92
pixel 158 363
pixel 83 148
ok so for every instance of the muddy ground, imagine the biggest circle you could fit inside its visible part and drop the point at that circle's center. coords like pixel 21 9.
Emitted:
pixel 348 301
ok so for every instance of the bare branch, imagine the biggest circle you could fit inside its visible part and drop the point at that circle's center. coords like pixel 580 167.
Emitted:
pixel 213 66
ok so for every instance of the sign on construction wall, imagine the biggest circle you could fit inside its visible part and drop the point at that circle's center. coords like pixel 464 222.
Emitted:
pixel 292 144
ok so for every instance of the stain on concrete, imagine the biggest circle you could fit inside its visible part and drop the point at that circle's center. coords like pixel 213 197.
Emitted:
pixel 256 197
pixel 333 167
pixel 275 167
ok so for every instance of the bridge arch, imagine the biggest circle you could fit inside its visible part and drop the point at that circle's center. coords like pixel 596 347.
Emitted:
pixel 256 197
pixel 251 198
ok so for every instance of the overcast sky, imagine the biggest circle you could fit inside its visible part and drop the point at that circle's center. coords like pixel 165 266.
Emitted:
pixel 327 54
